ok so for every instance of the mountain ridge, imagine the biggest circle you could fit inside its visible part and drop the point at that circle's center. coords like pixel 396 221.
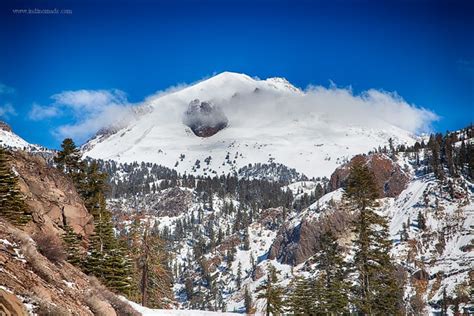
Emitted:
pixel 269 121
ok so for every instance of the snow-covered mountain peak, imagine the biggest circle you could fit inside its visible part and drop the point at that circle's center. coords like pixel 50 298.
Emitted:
pixel 9 139
pixel 259 121
pixel 282 84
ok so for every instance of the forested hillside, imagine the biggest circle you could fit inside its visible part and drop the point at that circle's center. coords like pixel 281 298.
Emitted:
pixel 390 232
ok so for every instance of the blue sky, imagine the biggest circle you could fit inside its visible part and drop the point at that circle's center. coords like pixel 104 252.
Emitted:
pixel 423 50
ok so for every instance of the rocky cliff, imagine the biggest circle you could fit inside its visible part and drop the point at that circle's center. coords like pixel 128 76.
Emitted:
pixel 51 197
pixel 389 176
pixel 34 277
pixel 297 241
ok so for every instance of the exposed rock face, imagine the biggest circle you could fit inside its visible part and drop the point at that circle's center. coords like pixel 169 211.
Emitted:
pixel 5 127
pixel 295 244
pixel 173 202
pixel 390 178
pixel 272 218
pixel 204 118
pixel 51 196
pixel 10 305
pixel 49 289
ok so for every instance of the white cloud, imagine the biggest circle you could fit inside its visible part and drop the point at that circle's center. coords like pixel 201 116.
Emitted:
pixel 6 110
pixel 327 106
pixel 90 111
pixel 39 112
pixel 89 101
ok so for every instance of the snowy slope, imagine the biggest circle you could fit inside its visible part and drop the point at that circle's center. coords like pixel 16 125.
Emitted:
pixel 263 127
pixel 173 312
pixel 443 251
pixel 10 139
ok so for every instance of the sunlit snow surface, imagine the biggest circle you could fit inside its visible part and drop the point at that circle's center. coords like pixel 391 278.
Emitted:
pixel 9 139
pixel 174 312
pixel 268 121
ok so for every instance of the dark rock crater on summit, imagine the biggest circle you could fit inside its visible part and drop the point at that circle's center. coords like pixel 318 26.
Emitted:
pixel 204 118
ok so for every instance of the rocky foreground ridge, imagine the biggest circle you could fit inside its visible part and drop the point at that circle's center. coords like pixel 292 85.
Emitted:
pixel 32 283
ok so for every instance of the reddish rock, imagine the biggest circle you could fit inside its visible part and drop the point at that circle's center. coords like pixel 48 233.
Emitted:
pixel 10 305
pixel 204 118
pixel 51 196
pixel 390 178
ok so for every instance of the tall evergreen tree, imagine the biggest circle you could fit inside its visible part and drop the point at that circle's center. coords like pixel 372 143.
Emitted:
pixel 421 221
pixel 300 300
pixel 72 246
pixel 376 291
pixel 435 159
pixel 333 274
pixel 68 160
pixel 248 301
pixel 12 203
pixel 153 278
pixel 272 293
pixel 238 280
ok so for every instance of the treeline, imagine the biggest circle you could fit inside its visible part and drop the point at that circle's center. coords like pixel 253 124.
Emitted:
pixel 132 180
pixel 448 155
pixel 131 263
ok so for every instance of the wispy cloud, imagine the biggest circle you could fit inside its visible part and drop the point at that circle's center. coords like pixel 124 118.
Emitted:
pixel 7 110
pixel 88 111
pixel 39 112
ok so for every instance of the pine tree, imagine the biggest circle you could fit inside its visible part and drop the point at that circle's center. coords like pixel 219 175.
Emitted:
pixel 333 275
pixel 152 276
pixel 376 291
pixel 68 160
pixel 317 295
pixel 300 300
pixel 272 293
pixel 444 303
pixel 106 257
pixel 12 203
pixel 435 160
pixel 404 233
pixel 421 221
pixel 72 246
pixel 248 301
pixel 238 280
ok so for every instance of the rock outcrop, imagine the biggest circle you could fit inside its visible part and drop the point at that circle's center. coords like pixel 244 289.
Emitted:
pixel 390 178
pixel 295 244
pixel 32 284
pixel 170 202
pixel 10 305
pixel 5 127
pixel 204 118
pixel 51 196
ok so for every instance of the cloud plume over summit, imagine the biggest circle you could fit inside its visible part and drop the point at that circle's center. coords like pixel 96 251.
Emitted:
pixel 246 102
